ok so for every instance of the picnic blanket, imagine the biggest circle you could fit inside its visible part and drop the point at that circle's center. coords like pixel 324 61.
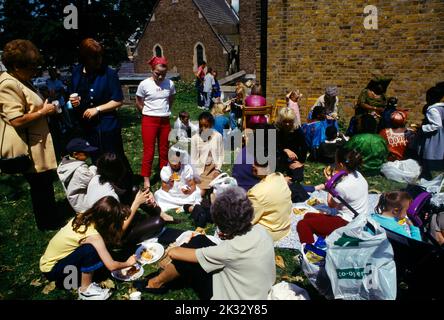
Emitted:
pixel 292 240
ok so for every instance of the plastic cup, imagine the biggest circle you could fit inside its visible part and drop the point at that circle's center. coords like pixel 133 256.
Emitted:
pixel 137 295
pixel 57 106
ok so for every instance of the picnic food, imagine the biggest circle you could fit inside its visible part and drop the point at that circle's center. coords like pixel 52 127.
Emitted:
pixel 129 272
pixel 299 210
pixel 200 230
pixel 313 202
pixel 146 255
pixel 175 176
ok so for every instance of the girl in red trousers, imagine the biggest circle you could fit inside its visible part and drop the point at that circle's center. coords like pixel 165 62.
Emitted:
pixel 155 97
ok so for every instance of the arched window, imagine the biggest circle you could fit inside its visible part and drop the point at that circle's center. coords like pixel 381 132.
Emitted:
pixel 157 50
pixel 199 55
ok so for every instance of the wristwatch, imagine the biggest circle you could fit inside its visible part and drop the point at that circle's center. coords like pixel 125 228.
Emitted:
pixel 98 109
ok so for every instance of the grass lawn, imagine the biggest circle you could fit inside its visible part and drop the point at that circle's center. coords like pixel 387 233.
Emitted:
pixel 21 244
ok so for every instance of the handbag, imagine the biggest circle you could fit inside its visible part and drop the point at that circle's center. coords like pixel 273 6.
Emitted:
pixel 14 165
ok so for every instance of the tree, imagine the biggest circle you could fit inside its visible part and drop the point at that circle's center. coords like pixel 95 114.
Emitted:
pixel 110 22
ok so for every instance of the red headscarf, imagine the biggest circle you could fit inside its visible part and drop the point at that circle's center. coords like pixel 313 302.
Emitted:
pixel 154 61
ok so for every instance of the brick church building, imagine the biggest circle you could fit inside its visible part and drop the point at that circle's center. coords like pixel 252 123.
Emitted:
pixel 188 32
pixel 306 45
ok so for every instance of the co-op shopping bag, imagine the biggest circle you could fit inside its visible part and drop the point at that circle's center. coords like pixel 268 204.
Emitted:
pixel 359 261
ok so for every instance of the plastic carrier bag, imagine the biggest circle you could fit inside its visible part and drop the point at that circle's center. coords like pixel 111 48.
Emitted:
pixel 222 182
pixel 401 171
pixel 314 269
pixel 359 261
pixel 287 291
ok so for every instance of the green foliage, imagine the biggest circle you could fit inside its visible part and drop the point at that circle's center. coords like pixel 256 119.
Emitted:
pixel 41 21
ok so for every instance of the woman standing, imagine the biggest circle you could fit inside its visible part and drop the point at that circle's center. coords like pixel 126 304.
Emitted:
pixel 432 147
pixel 101 95
pixel 23 116
pixel 154 99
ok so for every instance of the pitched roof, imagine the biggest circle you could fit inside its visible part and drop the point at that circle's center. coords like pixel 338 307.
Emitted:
pixel 221 18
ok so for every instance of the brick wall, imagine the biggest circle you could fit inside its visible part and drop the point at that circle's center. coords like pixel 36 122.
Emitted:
pixel 177 28
pixel 249 35
pixel 314 43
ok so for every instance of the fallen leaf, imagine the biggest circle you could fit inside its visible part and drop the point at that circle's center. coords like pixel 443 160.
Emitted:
pixel 109 284
pixel 280 262
pixel 5 269
pixel 48 288
pixel 36 283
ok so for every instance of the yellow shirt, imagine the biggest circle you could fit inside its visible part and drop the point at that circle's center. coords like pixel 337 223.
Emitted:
pixel 65 242
pixel 272 204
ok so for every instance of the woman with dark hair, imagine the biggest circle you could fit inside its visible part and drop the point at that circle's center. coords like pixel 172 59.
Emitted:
pixel 432 131
pixel 110 182
pixel 83 244
pixel 370 105
pixel 24 127
pixel 241 266
pixel 353 188
pixel 291 145
pixel 207 152
pixel 99 97
pixel 154 100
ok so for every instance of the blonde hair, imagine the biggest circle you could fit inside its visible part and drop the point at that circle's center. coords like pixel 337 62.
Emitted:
pixel 285 114
pixel 218 109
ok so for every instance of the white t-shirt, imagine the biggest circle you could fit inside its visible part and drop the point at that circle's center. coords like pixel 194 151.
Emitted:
pixel 156 97
pixel 353 188
pixel 97 191
pixel 244 267
pixel 208 83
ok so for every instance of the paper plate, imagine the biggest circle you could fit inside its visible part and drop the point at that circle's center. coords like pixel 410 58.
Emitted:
pixel 155 249
pixel 118 274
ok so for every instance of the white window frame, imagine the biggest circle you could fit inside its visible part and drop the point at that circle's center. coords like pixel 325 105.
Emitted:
pixel 154 49
pixel 204 54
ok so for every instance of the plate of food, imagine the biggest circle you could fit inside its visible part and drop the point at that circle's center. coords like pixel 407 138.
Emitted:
pixel 149 253
pixel 129 274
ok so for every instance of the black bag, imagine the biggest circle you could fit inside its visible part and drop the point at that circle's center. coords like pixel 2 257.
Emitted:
pixel 20 164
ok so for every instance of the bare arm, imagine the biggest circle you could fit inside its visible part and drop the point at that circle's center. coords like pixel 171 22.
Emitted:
pixel 183 254
pixel 107 107
pixel 139 103
pixel 140 198
pixel 97 242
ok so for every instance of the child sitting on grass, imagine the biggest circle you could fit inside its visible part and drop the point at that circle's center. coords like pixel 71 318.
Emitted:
pixel 391 213
pixel 84 242
pixel 183 128
pixel 75 174
pixel 220 121
pixel 178 186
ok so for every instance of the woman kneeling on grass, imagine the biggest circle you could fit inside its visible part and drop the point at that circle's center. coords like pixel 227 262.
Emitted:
pixel 83 242
pixel 241 267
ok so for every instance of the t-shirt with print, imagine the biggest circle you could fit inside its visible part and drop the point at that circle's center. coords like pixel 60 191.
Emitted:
pixel 353 188
pixel 396 142
pixel 156 97
pixel 244 267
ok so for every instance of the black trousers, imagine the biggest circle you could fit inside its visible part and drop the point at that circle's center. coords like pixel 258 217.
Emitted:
pixel 192 273
pixel 43 200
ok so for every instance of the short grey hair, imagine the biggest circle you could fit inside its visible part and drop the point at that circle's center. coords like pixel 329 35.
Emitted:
pixel 233 212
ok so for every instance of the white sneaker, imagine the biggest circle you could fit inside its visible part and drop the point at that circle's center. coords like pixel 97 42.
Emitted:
pixel 94 292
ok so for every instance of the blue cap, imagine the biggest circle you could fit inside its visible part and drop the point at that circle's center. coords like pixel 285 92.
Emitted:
pixel 80 145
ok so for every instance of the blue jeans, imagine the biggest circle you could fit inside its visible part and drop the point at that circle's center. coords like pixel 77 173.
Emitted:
pixel 233 121
pixel 207 97
pixel 85 259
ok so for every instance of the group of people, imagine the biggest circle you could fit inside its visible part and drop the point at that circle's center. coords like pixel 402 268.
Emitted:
pixel 250 217
pixel 208 87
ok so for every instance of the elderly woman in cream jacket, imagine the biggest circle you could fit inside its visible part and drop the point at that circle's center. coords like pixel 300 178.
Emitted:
pixel 207 152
